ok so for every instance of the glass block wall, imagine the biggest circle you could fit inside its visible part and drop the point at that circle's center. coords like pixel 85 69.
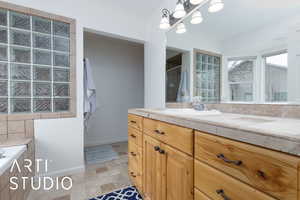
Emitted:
pixel 34 64
pixel 207 77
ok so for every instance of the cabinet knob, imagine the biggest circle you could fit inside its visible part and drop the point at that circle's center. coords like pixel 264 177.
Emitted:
pixel 261 174
pixel 132 121
pixel 132 174
pixel 222 194
pixel 133 136
pixel 133 154
pixel 162 151
pixel 159 132
pixel 235 162
pixel 156 148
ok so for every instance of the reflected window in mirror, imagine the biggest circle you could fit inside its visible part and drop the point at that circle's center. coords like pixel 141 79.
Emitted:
pixel 241 79
pixel 207 76
pixel 276 74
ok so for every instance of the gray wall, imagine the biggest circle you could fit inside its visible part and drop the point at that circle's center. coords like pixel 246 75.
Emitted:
pixel 118 68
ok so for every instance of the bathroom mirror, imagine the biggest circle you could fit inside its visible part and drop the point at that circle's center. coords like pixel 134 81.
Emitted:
pixel 248 52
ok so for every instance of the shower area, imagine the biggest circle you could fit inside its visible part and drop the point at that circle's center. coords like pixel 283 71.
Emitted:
pixel 177 67
pixel 117 67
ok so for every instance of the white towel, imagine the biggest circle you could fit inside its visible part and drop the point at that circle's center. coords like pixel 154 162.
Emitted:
pixel 89 90
pixel 183 90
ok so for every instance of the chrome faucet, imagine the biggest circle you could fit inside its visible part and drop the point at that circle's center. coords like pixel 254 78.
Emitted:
pixel 2 152
pixel 197 104
pixel 199 107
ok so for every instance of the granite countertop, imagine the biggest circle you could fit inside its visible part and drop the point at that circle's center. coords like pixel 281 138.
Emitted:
pixel 281 134
pixel 15 142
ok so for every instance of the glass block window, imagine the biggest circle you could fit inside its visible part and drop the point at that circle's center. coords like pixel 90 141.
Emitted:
pixel 276 75
pixel 34 64
pixel 240 79
pixel 207 77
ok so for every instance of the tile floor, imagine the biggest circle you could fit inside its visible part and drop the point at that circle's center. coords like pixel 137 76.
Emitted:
pixel 96 180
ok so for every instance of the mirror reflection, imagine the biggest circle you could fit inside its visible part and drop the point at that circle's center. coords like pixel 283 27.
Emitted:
pixel 248 52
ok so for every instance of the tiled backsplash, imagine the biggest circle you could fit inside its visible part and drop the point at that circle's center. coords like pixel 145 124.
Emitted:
pixel 272 110
pixel 16 129
pixel 285 111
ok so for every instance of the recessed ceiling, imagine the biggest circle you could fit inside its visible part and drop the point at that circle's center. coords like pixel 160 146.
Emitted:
pixel 242 16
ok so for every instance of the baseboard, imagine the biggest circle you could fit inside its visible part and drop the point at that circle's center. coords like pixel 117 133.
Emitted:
pixel 64 172
pixel 96 143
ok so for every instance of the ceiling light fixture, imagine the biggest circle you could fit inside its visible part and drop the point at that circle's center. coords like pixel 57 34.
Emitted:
pixel 179 10
pixel 181 28
pixel 165 20
pixel 196 17
pixel 186 8
pixel 195 2
pixel 216 6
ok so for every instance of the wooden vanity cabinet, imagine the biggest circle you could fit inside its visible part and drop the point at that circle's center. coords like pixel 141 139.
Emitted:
pixel 218 185
pixel 200 195
pixel 266 170
pixel 135 150
pixel 168 172
pixel 170 162
pixel 176 136
pixel 135 122
pixel 178 174
pixel 152 167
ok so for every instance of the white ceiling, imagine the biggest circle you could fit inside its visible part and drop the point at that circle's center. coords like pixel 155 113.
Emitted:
pixel 241 16
pixel 141 8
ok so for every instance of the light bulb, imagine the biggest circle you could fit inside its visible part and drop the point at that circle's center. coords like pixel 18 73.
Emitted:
pixel 181 28
pixel 195 2
pixel 196 17
pixel 179 10
pixel 216 6
pixel 164 23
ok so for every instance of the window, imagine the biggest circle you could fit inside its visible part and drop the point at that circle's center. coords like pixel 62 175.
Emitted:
pixel 276 69
pixel 240 79
pixel 35 64
pixel 207 76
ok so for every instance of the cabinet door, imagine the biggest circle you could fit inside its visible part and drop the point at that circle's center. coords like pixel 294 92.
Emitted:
pixel 152 169
pixel 178 175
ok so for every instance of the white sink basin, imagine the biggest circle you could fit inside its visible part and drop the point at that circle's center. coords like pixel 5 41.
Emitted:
pixel 190 112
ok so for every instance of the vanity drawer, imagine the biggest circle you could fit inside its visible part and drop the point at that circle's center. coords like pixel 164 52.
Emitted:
pixel 218 185
pixel 269 171
pixel 135 164
pixel 200 196
pixel 135 121
pixel 135 177
pixel 135 136
pixel 176 136
pixel 135 156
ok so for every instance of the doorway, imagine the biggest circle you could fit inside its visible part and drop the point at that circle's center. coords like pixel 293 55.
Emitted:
pixel 118 72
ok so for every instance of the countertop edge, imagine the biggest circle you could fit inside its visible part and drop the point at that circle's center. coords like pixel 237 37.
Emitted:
pixel 247 135
pixel 16 142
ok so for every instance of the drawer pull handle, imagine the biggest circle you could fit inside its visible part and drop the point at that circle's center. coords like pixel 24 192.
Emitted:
pixel 132 174
pixel 162 151
pixel 261 174
pixel 159 132
pixel 222 194
pixel 156 148
pixel 133 154
pixel 133 136
pixel 134 122
pixel 236 162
